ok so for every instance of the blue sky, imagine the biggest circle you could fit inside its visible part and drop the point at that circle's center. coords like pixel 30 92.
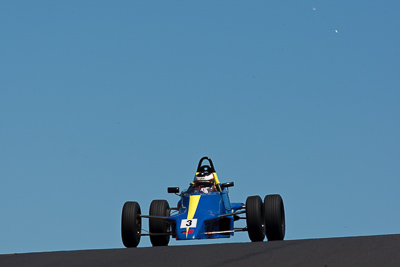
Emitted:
pixel 102 102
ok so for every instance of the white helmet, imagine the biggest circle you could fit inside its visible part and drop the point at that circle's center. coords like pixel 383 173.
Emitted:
pixel 202 178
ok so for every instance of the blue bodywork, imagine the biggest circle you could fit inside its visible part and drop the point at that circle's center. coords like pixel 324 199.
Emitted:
pixel 199 217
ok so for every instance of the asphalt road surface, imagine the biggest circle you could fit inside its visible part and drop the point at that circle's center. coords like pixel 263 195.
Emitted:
pixel 350 251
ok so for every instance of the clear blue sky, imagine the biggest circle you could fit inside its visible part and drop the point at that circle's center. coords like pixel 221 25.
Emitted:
pixel 102 102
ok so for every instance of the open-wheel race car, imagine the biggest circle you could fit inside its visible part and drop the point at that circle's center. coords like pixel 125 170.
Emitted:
pixel 204 211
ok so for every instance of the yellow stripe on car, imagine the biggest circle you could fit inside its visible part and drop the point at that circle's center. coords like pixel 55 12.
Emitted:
pixel 193 203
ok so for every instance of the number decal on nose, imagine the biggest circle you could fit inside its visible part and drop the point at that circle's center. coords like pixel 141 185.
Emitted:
pixel 189 223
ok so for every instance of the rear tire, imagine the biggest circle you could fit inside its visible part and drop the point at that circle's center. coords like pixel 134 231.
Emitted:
pixel 274 217
pixel 131 224
pixel 255 218
pixel 159 226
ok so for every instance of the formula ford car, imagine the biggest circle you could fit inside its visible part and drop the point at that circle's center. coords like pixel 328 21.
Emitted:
pixel 204 213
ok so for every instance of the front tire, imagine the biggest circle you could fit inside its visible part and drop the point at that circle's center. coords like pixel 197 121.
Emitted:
pixel 131 224
pixel 255 218
pixel 274 217
pixel 159 226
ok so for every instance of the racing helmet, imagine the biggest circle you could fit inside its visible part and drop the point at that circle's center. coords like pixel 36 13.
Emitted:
pixel 204 178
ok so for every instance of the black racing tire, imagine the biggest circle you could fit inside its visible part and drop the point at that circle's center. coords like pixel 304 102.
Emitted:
pixel 274 217
pixel 255 218
pixel 131 224
pixel 159 226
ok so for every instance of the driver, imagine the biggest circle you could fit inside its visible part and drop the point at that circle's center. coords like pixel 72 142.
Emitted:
pixel 204 181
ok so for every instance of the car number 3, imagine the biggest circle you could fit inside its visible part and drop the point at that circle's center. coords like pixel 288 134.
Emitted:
pixel 189 223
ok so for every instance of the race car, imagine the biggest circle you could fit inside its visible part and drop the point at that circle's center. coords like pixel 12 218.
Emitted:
pixel 204 211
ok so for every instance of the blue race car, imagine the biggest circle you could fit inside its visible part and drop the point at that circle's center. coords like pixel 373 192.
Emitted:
pixel 204 211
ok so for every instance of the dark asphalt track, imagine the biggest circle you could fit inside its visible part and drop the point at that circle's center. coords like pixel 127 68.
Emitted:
pixel 349 251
